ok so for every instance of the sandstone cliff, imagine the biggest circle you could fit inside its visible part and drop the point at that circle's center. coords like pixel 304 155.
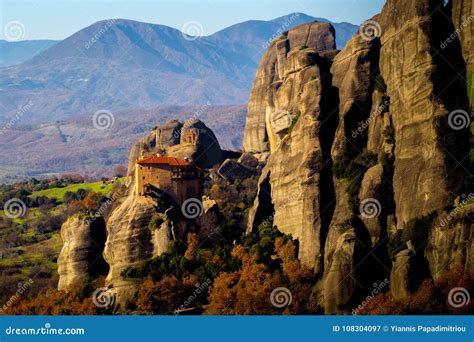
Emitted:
pixel 130 240
pixel 81 254
pixel 362 145
pixel 272 70
pixel 296 112
pixel 170 138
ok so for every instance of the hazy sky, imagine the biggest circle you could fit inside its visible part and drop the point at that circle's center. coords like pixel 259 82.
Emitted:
pixel 54 19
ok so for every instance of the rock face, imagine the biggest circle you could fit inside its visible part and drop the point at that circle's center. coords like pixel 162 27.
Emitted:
pixel 317 36
pixel 232 170
pixel 204 150
pixel 340 279
pixel 420 107
pixel 299 94
pixel 463 20
pixel 451 243
pixel 81 254
pixel 168 134
pixel 129 241
pixel 171 139
pixel 402 271
pixel 360 143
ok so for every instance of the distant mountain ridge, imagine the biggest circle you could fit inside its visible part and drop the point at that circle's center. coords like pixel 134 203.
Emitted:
pixel 13 53
pixel 124 64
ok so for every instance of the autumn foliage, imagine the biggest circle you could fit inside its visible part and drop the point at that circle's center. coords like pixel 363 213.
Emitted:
pixel 430 299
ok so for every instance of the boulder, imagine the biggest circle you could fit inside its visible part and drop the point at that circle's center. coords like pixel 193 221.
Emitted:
pixel 198 144
pixel 231 170
pixel 168 134
pixel 248 160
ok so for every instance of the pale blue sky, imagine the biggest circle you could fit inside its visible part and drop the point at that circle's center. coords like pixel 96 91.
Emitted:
pixel 54 19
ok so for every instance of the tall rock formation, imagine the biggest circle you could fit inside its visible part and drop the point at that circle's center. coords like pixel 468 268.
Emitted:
pixel 81 254
pixel 362 145
pixel 130 240
pixel 297 105
pixel 463 20
pixel 172 138
pixel 274 69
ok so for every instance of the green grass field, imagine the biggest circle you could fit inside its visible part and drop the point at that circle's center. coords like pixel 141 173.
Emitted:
pixel 59 192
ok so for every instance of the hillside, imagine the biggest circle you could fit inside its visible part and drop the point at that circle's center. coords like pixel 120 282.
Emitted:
pixel 137 65
pixel 13 53
pixel 75 145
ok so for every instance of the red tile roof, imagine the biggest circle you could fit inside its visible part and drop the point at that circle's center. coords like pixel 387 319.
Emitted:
pixel 163 160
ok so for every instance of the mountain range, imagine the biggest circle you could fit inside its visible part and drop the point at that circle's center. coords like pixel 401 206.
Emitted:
pixel 13 53
pixel 122 64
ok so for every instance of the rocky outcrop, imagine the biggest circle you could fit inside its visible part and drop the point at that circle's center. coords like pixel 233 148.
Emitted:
pixel 249 161
pixel 340 284
pixel 402 273
pixel 131 239
pixel 451 243
pixel 210 221
pixel 294 171
pixel 386 154
pixel 204 150
pixel 171 139
pixel 463 20
pixel 419 106
pixel 231 170
pixel 168 134
pixel 81 254
pixel 273 66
